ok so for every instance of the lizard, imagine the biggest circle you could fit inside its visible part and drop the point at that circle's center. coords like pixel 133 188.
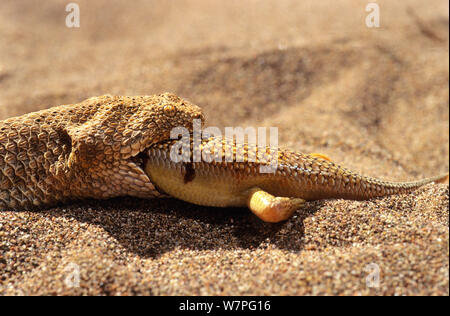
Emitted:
pixel 90 149
pixel 111 146
pixel 230 176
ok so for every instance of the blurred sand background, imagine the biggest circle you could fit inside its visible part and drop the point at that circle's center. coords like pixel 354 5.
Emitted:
pixel 374 99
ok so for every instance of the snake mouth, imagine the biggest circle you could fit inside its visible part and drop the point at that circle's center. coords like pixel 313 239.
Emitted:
pixel 140 182
pixel 161 151
pixel 141 159
pixel 141 162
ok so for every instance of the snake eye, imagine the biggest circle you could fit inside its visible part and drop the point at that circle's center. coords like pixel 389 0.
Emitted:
pixel 169 110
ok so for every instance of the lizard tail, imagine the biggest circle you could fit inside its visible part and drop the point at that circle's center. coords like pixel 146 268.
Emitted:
pixel 373 187
pixel 416 184
pixel 440 179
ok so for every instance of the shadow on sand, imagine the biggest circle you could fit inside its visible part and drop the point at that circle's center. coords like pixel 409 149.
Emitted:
pixel 149 228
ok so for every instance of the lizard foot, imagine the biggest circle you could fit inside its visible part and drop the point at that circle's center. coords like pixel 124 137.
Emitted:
pixel 271 208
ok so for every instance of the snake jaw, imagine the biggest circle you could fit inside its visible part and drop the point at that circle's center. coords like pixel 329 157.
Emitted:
pixel 107 157
pixel 156 125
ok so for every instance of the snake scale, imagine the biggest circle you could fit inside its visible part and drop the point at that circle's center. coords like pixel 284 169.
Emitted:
pixel 86 150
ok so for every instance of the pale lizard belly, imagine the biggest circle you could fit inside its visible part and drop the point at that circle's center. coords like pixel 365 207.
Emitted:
pixel 198 184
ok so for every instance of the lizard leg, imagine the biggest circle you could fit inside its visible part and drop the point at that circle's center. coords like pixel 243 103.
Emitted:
pixel 272 209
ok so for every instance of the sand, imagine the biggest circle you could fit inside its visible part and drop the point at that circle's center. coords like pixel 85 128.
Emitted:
pixel 373 99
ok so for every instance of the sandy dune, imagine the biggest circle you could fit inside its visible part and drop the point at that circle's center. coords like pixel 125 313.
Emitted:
pixel 374 99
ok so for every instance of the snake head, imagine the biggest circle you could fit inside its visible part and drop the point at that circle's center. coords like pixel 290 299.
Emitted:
pixel 108 149
pixel 156 120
